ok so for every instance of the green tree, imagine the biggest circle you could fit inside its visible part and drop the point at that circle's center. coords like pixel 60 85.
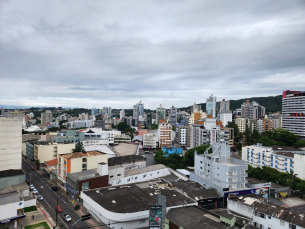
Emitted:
pixel 174 128
pixel 78 147
pixel 159 157
pixel 255 135
pixel 265 141
pixel 188 158
pixel 37 163
pixel 299 144
pixel 154 126
pixel 236 130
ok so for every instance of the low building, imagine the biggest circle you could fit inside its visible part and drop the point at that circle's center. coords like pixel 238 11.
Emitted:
pixel 150 141
pixel 101 148
pixel 142 132
pixel 128 206
pixel 121 138
pixel 128 162
pixel 84 180
pixel 219 170
pixel 265 214
pixel 70 136
pixel 80 123
pixel 77 162
pixel 183 136
pixel 231 135
pixel 50 166
pixel 124 149
pixel 11 177
pixel 102 134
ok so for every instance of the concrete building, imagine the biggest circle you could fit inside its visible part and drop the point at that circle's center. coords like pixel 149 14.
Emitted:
pixel 211 107
pixel 219 170
pixel 128 162
pixel 99 122
pixel 195 116
pixel 150 141
pixel 241 123
pixel 106 111
pixel 70 136
pixel 124 149
pixel 183 136
pixel 225 117
pixel 122 114
pixel 265 214
pixel 231 135
pixel 252 124
pixel 20 115
pixel 138 111
pixel 173 116
pixel 293 110
pixel 98 133
pixel 224 105
pixel 94 112
pixel 83 116
pixel 121 138
pixel 281 158
pixel 77 162
pixel 160 114
pixel 10 143
pixel 46 117
pixel 80 123
pixel 50 166
pixel 119 207
pixel 252 110
pixel 165 134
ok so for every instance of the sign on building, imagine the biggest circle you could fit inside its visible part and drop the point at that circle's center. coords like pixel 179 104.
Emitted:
pixel 155 216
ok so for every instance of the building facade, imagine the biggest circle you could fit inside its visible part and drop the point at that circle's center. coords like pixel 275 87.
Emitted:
pixel 173 116
pixel 225 117
pixel 211 106
pixel 46 117
pixel 183 136
pixel 160 114
pixel 165 134
pixel 150 141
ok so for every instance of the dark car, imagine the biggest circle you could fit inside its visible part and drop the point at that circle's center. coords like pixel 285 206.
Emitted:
pixel 33 169
pixel 54 188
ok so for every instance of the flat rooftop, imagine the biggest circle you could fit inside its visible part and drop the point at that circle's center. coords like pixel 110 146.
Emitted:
pixel 9 198
pixel 11 173
pixel 86 174
pixel 144 170
pixel 125 159
pixel 81 154
pixel 100 148
pixel 285 154
pixel 17 187
pixel 124 149
pixel 285 148
pixel 134 197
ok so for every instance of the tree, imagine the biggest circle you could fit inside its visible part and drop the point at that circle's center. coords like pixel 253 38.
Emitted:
pixel 78 147
pixel 235 127
pixel 37 163
pixel 299 144
pixel 174 128
pixel 159 157
pixel 188 158
pixel 154 126
pixel 265 141
pixel 255 135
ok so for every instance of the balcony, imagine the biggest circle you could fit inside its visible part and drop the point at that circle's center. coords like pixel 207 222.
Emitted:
pixel 267 163
pixel 230 180
pixel 281 162
pixel 231 173
pixel 267 159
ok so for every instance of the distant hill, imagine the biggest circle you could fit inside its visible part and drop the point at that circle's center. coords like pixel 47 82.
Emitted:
pixel 271 103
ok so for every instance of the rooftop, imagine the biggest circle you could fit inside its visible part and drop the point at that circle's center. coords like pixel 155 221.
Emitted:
pixel 86 174
pixel 255 181
pixel 260 205
pixel 9 198
pixel 81 154
pixel 124 149
pixel 285 148
pixel 125 159
pixel 138 138
pixel 99 148
pixel 18 187
pixel 52 162
pixel 134 197
pixel 285 154
pixel 196 190
pixel 144 170
pixel 11 172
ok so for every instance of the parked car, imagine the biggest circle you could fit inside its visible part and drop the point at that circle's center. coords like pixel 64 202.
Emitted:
pixel 32 187
pixel 67 217
pixel 58 209
pixel 33 169
pixel 54 188
pixel 35 191
pixel 39 197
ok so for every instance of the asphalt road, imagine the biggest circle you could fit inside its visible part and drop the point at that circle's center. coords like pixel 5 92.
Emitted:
pixel 50 200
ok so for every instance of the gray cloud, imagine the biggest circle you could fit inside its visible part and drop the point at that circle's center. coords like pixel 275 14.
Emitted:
pixel 113 53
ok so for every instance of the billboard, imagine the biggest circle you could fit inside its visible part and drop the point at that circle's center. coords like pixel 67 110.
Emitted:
pixel 155 216
pixel 263 192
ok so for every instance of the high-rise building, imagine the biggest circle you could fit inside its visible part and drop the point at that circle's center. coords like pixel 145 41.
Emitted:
pixel 83 116
pixel 173 116
pixel 211 107
pixel 106 111
pixel 94 111
pixel 225 117
pixel 241 123
pixel 252 110
pixel 293 110
pixel 195 108
pixel 10 143
pixel 138 111
pixel 46 117
pixel 165 134
pixel 224 105
pixel 122 114
pixel 183 136
pixel 160 114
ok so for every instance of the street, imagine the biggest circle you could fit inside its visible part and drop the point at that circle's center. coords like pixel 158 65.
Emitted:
pixel 50 200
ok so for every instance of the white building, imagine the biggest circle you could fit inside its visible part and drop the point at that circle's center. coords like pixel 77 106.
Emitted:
pixel 150 140
pixel 283 158
pixel 260 126
pixel 80 123
pixel 122 114
pixel 225 117
pixel 98 133
pixel 10 143
pixel 128 206
pixel 241 123
pixel 183 135
pixel 219 170
pixel 265 214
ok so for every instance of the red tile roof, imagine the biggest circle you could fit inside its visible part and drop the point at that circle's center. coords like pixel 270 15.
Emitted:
pixel 52 162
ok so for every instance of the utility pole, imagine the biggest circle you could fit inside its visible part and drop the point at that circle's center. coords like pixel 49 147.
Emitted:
pixel 56 210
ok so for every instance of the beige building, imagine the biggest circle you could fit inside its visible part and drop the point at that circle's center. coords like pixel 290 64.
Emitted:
pixel 231 135
pixel 241 123
pixel 195 116
pixel 47 151
pixel 10 143
pixel 46 117
pixel 165 134
pixel 150 140
pixel 83 116
pixel 77 162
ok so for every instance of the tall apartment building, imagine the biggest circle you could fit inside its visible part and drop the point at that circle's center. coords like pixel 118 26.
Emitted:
pixel 77 162
pixel 211 106
pixel 224 105
pixel 138 112
pixel 10 143
pixel 276 121
pixel 150 141
pixel 195 116
pixel 173 116
pixel 83 116
pixel 252 110
pixel 231 135
pixel 219 170
pixel 160 114
pixel 165 134
pixel 122 114
pixel 195 107
pixel 183 136
pixel 106 111
pixel 46 117
pixel 225 117
pixel 99 122
pixel 94 111
pixel 293 110
pixel 283 158
pixel 241 123
pixel 18 114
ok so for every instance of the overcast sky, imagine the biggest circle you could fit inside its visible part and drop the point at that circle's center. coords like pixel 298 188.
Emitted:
pixel 115 53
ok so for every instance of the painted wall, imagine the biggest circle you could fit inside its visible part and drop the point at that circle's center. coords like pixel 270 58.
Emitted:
pixel 10 210
pixel 10 181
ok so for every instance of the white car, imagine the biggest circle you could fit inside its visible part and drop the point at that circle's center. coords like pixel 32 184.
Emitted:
pixel 35 191
pixel 67 218
pixel 32 187
pixel 39 197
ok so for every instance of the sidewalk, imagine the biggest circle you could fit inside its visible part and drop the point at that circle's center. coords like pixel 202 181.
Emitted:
pixel 91 222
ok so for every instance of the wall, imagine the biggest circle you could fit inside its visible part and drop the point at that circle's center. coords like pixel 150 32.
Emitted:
pixel 205 183
pixel 114 171
pixel 29 203
pixel 10 181
pixel 299 168
pixel 10 210
pixel 65 148
pixel 45 153
pixel 242 209
pixel 97 182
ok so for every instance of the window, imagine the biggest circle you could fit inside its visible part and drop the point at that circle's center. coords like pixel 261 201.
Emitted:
pixel 292 226
pixel 84 159
pixel 262 215
pixel 269 217
pixel 111 176
pixel 119 175
pixel 85 186
pixel 282 223
pixel 261 226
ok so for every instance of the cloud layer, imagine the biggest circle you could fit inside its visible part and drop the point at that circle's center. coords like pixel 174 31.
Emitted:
pixel 115 53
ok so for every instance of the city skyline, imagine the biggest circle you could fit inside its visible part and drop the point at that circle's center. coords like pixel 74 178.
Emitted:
pixel 72 54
